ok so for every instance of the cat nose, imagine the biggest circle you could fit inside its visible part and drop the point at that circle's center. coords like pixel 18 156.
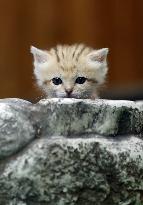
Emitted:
pixel 68 91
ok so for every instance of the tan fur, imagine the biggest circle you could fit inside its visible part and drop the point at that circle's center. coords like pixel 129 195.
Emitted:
pixel 68 63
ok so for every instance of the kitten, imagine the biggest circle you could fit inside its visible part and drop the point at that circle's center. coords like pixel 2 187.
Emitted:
pixel 74 71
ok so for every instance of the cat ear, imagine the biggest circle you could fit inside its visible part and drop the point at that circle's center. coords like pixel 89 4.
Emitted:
pixel 40 56
pixel 98 55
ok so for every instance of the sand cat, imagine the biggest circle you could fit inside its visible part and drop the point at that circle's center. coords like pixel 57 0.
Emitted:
pixel 74 71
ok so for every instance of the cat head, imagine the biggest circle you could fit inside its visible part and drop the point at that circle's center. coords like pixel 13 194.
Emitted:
pixel 70 71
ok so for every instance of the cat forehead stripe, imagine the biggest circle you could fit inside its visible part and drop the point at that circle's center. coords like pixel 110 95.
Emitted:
pixel 77 51
pixel 80 52
pixel 56 54
pixel 74 50
pixel 69 52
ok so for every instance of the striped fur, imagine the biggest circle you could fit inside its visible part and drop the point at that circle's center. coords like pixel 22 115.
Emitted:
pixel 68 56
pixel 68 63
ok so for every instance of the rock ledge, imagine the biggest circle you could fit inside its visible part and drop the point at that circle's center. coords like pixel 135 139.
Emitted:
pixel 71 152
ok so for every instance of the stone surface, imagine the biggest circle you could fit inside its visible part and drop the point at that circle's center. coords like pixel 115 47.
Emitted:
pixel 71 152
pixel 78 117
pixel 16 129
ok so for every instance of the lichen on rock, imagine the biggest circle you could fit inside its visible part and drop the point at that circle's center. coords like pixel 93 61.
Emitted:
pixel 71 152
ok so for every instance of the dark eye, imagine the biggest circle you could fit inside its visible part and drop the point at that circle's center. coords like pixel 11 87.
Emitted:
pixel 57 81
pixel 80 80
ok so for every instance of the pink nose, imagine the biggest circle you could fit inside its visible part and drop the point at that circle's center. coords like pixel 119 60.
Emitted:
pixel 68 91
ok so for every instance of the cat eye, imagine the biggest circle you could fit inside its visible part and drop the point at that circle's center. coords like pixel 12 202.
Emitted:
pixel 57 81
pixel 80 80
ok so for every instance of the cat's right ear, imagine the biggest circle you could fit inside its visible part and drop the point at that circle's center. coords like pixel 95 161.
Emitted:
pixel 39 55
pixel 98 55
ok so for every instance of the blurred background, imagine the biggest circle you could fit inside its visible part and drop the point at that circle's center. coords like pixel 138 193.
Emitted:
pixel 116 24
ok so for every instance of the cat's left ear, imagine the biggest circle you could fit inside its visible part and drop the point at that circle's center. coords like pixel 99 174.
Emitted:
pixel 98 55
pixel 40 56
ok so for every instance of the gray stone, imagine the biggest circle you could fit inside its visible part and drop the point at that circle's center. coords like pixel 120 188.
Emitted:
pixel 16 129
pixel 71 152
pixel 78 117
pixel 78 171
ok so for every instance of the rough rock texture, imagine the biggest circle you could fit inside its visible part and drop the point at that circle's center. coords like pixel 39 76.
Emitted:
pixel 16 129
pixel 76 117
pixel 71 152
